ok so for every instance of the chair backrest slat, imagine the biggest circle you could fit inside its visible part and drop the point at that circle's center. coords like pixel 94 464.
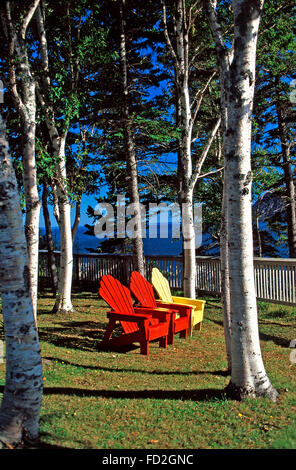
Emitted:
pixel 142 290
pixel 161 285
pixel 119 298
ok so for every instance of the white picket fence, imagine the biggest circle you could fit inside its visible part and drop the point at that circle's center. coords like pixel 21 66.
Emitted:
pixel 275 278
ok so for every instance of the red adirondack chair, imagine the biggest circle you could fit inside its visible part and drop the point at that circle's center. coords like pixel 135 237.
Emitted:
pixel 179 314
pixel 139 325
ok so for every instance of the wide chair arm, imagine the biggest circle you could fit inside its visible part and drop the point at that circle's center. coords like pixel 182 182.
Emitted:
pixel 163 314
pixel 196 303
pixel 137 318
pixel 182 310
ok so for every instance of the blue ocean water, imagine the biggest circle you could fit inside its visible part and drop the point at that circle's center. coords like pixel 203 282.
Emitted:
pixel 152 246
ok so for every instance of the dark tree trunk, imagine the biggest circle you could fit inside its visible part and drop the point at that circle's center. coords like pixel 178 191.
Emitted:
pixel 131 158
pixel 49 241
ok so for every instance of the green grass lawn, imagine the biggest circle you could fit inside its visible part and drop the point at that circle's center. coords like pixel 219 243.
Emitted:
pixel 172 399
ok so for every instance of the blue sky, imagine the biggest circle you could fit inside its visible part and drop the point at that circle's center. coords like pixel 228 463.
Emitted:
pixel 86 201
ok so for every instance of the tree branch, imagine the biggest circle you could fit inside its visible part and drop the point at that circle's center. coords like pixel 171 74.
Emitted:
pixel 11 37
pixel 224 53
pixel 28 17
pixel 167 38
pixel 201 94
pixel 199 164
pixel 43 46
pixel 209 173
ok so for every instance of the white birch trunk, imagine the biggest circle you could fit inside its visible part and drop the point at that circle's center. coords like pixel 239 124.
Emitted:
pixel 225 285
pixel 188 233
pixel 63 302
pixel 224 60
pixel 186 123
pixel 33 204
pixel 248 375
pixel 186 112
pixel 186 196
pixel 25 102
pixel 20 407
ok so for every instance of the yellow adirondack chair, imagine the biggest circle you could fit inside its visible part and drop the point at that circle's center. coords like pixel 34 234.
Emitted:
pixel 162 287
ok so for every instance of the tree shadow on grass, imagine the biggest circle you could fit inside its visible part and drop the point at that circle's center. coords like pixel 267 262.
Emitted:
pixel 45 445
pixel 283 342
pixel 69 342
pixel 222 373
pixel 85 335
pixel 81 335
pixel 184 395
pixel 206 394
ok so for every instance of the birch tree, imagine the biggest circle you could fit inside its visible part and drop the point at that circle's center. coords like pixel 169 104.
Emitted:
pixel 188 103
pixel 237 80
pixel 58 136
pixel 22 85
pixel 20 407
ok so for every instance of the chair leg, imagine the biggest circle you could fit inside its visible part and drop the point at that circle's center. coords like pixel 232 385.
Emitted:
pixel 143 340
pixel 183 334
pixel 144 348
pixel 163 342
pixel 171 337
pixel 109 330
pixel 190 328
pixel 198 326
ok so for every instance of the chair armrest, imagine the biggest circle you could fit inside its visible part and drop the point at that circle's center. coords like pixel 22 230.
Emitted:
pixel 162 313
pixel 187 301
pixel 183 310
pixel 138 317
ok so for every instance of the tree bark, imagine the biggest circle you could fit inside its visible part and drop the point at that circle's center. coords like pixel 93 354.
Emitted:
pixel 131 158
pixel 248 375
pixel 186 113
pixel 25 102
pixel 49 241
pixel 76 220
pixel 20 407
pixel 225 282
pixel 189 257
pixel 63 302
pixel 185 161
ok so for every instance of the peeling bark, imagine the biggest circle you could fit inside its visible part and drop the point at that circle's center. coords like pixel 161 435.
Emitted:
pixel 186 112
pixel 225 281
pixel 237 72
pixel 20 407
pixel 23 92
pixel 63 302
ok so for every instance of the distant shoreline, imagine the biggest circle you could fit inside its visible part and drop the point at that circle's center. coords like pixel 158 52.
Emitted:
pixel 152 246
